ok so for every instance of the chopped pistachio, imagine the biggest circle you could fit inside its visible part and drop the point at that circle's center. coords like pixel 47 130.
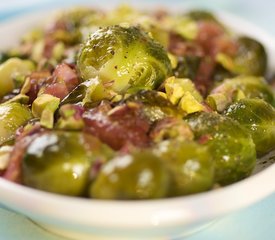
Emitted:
pixel 218 101
pixel 190 104
pixel 44 107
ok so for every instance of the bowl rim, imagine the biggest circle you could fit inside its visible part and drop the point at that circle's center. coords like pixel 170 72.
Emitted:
pixel 177 211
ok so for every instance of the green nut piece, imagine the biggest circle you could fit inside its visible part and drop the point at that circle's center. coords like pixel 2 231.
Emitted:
pixel 44 107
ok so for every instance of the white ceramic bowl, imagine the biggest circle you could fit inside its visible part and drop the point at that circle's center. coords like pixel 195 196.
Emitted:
pixel 153 219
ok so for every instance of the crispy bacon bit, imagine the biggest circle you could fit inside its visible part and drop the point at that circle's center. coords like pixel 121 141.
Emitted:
pixel 63 80
pixel 36 81
pixel 48 47
pixel 160 14
pixel 208 34
pixel 23 140
pixel 203 79
pixel 65 73
pixel 58 90
pixel 179 47
pixel 204 139
pixel 118 127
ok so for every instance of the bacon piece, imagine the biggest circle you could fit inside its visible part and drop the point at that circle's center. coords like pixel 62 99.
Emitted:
pixel 36 81
pixel 14 172
pixel 58 90
pixel 118 127
pixel 64 80
pixel 65 73
pixel 179 47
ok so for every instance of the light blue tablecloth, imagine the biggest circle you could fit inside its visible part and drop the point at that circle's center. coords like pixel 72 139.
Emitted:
pixel 254 223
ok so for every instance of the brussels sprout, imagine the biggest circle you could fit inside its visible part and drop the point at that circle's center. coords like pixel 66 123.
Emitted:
pixel 244 86
pixel 187 67
pixel 201 15
pixel 258 117
pixel 141 175
pixel 230 144
pixel 221 73
pixel 124 59
pixel 250 59
pixel 11 69
pixel 155 105
pixel 60 161
pixel 191 165
pixel 171 128
pixel 12 116
pixel 185 27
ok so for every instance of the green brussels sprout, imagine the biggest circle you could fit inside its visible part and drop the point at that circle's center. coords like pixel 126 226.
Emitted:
pixel 258 117
pixel 171 128
pixel 184 27
pixel 221 73
pixel 122 59
pixel 60 162
pixel 201 15
pixel 244 86
pixel 155 105
pixel 191 165
pixel 141 175
pixel 187 67
pixel 250 59
pixel 231 146
pixel 12 116
pixel 9 70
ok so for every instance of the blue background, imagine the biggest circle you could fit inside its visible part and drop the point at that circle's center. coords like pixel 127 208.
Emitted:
pixel 254 223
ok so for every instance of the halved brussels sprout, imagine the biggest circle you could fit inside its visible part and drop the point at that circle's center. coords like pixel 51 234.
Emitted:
pixel 10 70
pixel 187 67
pixel 171 128
pixel 250 59
pixel 123 59
pixel 154 105
pixel 61 162
pixel 191 165
pixel 231 146
pixel 201 15
pixel 141 175
pixel 12 116
pixel 241 87
pixel 258 117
